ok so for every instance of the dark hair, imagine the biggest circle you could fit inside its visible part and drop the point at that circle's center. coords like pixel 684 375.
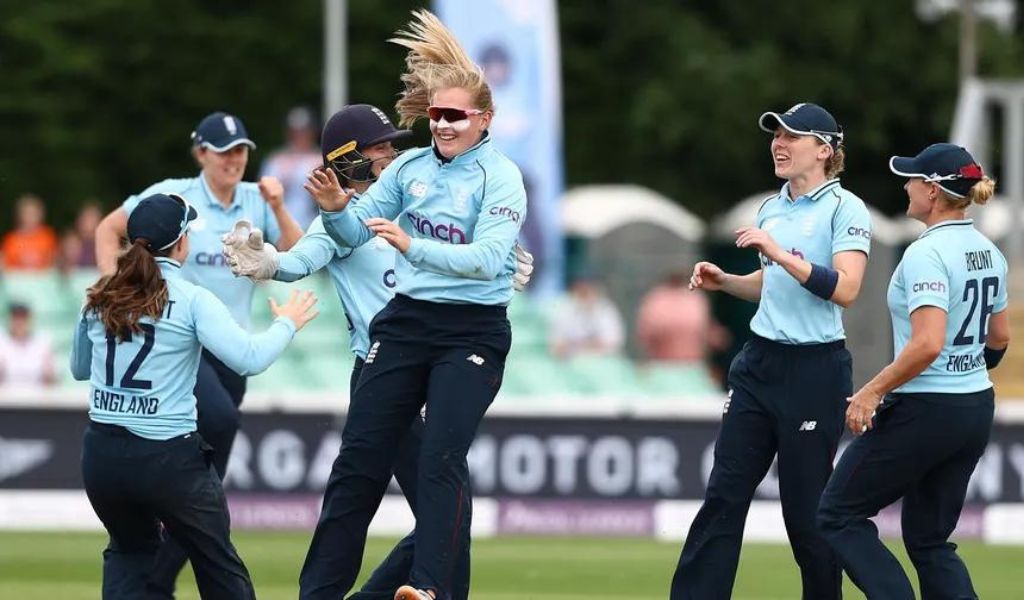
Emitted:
pixel 135 290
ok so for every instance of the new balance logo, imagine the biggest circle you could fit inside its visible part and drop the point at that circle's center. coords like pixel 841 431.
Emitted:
pixel 808 425
pixel 372 354
pixel 20 456
pixel 476 360
pixel 728 400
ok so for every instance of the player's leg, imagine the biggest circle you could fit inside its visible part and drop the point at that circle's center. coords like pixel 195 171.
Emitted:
pixel 218 420
pixel 744 451
pixel 932 508
pixel 875 470
pixel 110 471
pixel 388 396
pixel 463 383
pixel 393 571
pixel 810 423
pixel 191 504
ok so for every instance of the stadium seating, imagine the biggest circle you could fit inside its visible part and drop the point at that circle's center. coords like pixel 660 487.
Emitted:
pixel 319 359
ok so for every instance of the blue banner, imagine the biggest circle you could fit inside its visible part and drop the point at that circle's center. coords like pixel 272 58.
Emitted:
pixel 516 43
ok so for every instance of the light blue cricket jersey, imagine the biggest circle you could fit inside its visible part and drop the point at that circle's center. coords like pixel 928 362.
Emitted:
pixel 145 383
pixel 815 226
pixel 364 277
pixel 463 216
pixel 956 268
pixel 206 265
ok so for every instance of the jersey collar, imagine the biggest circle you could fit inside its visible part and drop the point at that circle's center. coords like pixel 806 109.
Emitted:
pixel 471 154
pixel 212 200
pixel 946 224
pixel 813 195
pixel 168 266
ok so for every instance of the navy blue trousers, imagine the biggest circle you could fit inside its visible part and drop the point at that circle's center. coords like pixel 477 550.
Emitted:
pixel 219 392
pixel 135 484
pixel 786 400
pixel 449 358
pixel 923 448
pixel 393 572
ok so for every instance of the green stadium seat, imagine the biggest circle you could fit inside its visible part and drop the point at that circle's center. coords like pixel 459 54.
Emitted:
pixel 607 375
pixel 676 380
pixel 49 294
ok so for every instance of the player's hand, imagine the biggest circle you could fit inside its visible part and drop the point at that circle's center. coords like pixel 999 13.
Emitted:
pixel 752 237
pixel 707 276
pixel 390 232
pixel 524 269
pixel 862 409
pixel 299 308
pixel 326 190
pixel 247 254
pixel 272 191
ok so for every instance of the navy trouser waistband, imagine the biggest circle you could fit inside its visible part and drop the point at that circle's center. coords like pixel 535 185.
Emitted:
pixel 445 310
pixel 772 345
pixel 117 430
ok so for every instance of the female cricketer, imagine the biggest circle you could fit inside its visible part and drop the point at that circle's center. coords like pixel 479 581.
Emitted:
pixel 221 145
pixel 934 402
pixel 143 463
pixel 441 342
pixel 789 384
pixel 357 146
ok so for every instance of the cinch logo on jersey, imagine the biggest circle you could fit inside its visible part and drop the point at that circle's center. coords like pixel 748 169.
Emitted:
pixel 389 279
pixel 504 211
pixel 859 232
pixel 134 405
pixel 769 262
pixel 210 259
pixel 929 286
pixel 444 232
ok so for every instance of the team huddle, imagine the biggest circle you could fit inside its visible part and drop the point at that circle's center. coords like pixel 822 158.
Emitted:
pixel 421 248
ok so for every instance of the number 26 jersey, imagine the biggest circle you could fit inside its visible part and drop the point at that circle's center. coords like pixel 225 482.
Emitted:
pixel 954 267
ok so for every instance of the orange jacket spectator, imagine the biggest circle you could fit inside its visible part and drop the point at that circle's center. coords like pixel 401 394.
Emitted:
pixel 33 244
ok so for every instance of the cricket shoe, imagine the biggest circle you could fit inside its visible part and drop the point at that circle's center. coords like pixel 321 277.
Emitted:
pixel 407 592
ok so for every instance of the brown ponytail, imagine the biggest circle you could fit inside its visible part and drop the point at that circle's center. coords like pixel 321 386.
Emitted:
pixel 135 290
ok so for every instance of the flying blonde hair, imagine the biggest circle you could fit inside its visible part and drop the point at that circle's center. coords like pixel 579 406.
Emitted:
pixel 435 61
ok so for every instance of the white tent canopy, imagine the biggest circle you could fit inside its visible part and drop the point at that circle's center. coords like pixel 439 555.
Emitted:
pixel 744 214
pixel 592 211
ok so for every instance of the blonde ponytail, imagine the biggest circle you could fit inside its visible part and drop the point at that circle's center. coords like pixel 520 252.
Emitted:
pixel 982 191
pixel 435 61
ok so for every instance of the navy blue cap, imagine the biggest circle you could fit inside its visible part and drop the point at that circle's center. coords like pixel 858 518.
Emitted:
pixel 805 119
pixel 161 220
pixel 950 166
pixel 220 132
pixel 356 127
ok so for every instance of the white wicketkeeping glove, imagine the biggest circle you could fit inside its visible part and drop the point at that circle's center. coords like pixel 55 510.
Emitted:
pixel 524 269
pixel 247 254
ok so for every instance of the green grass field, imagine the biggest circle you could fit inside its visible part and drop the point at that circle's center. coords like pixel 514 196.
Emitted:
pixel 38 566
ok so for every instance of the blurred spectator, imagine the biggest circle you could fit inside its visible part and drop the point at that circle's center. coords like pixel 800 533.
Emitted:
pixel 78 246
pixel 293 163
pixel 26 357
pixel 674 323
pixel 586 322
pixel 33 244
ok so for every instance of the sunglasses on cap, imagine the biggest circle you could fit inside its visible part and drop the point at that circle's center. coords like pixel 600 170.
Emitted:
pixel 971 171
pixel 183 226
pixel 436 113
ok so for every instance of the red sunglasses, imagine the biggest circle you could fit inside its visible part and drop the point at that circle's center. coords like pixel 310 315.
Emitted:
pixel 436 113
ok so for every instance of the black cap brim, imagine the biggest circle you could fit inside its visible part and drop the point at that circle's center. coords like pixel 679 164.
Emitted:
pixel 770 121
pixel 397 134
pixel 905 166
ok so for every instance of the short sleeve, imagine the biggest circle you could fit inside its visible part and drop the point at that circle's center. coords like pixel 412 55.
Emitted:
pixel 851 226
pixel 925 279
